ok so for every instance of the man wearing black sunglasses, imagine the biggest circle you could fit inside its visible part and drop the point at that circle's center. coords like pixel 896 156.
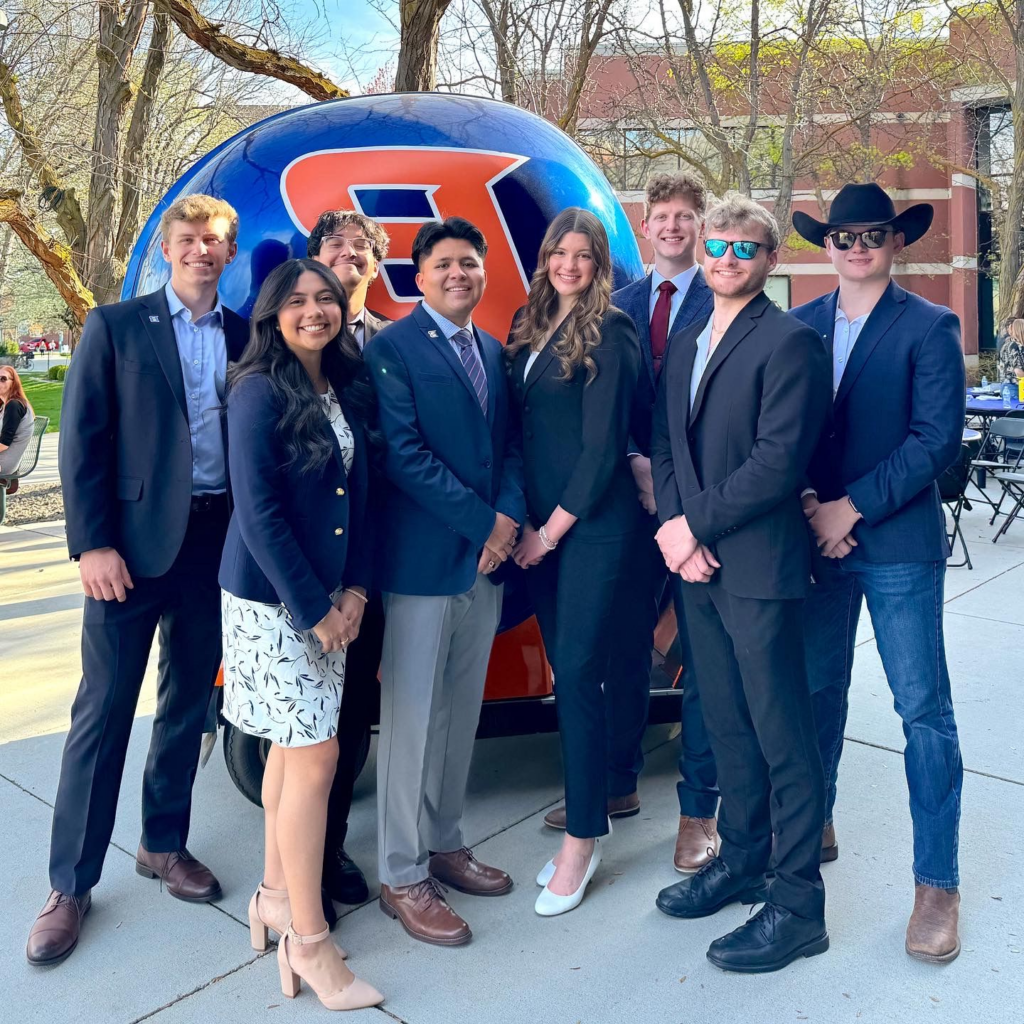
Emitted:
pixel 741 404
pixel 897 423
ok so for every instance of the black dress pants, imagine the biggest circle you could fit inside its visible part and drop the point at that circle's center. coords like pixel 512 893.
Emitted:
pixel 749 657
pixel 579 592
pixel 183 607
pixel 359 701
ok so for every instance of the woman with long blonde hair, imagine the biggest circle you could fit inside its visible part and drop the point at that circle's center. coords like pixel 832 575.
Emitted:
pixel 574 361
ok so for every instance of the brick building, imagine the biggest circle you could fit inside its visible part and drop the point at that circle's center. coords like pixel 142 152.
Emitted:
pixel 932 132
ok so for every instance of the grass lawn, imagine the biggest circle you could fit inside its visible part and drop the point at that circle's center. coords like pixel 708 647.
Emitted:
pixel 45 396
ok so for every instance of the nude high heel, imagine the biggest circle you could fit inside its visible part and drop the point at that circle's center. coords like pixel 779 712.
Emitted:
pixel 356 995
pixel 265 917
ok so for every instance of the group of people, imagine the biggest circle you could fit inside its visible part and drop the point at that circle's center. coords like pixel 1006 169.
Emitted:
pixel 383 479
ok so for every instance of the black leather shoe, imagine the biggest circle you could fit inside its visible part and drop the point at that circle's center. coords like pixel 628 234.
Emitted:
pixel 769 941
pixel 330 914
pixel 709 890
pixel 343 879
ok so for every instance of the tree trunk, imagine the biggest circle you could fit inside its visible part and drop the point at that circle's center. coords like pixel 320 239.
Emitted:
pixel 499 18
pixel 1011 231
pixel 417 57
pixel 54 257
pixel 142 116
pixel 595 13
pixel 115 51
pixel 238 55
pixel 56 195
pixel 754 95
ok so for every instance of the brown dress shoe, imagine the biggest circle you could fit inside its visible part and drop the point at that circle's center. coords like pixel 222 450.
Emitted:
pixel 424 913
pixel 461 870
pixel 696 843
pixel 185 877
pixel 55 934
pixel 618 807
pixel 932 931
pixel 829 845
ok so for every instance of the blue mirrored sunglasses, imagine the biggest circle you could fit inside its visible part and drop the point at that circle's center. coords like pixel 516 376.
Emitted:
pixel 716 247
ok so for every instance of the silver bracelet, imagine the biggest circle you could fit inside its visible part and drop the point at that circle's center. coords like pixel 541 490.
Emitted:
pixel 545 540
pixel 355 593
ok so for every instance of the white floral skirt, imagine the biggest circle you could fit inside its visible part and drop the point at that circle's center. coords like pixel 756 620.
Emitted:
pixel 278 683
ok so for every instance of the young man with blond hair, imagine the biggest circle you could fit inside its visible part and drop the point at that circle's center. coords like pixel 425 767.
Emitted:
pixel 143 470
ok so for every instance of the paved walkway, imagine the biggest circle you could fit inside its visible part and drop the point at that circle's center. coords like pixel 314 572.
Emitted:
pixel 145 956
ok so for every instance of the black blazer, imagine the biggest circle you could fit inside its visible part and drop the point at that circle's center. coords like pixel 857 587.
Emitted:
pixel 124 451
pixel 372 323
pixel 733 465
pixel 295 535
pixel 575 434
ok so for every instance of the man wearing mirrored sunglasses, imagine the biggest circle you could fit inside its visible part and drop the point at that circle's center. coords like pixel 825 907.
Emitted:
pixel 741 404
pixel 896 425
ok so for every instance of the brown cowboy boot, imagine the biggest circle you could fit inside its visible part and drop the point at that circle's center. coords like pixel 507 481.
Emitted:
pixel 932 931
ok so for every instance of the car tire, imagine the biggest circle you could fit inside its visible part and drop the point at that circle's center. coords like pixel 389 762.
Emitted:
pixel 246 756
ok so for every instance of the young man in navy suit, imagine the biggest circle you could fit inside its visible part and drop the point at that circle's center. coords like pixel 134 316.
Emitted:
pixel 352 245
pixel 673 297
pixel 143 470
pixel 897 423
pixel 450 515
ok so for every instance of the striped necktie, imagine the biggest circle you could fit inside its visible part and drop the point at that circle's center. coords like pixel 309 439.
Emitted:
pixel 471 361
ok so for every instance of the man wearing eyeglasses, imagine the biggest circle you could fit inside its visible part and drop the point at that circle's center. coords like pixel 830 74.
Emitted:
pixel 896 426
pixel 352 246
pixel 741 404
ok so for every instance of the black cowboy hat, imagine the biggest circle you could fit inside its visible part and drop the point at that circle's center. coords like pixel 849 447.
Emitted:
pixel 865 204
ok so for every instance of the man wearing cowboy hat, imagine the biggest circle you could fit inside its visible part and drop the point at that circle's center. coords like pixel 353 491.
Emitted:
pixel 874 508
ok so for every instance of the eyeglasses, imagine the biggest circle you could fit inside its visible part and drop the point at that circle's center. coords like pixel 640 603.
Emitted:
pixel 337 242
pixel 873 238
pixel 717 248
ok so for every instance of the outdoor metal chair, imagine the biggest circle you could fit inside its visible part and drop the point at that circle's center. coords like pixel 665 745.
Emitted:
pixel 1002 452
pixel 952 485
pixel 28 463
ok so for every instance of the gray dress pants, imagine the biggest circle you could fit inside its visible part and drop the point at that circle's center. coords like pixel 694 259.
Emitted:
pixel 433 669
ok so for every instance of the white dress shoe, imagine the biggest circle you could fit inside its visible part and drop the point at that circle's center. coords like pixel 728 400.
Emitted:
pixel 546 874
pixel 550 904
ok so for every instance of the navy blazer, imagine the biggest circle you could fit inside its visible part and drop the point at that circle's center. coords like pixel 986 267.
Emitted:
pixel 125 451
pixel 897 424
pixel 448 468
pixel 635 301
pixel 733 464
pixel 295 535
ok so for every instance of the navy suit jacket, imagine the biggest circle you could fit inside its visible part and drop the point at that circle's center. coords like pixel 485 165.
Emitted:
pixel 295 535
pixel 635 301
pixel 125 452
pixel 896 424
pixel 448 468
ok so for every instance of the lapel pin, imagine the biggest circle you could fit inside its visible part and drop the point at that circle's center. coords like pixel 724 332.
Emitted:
pixel 154 319
pixel 431 334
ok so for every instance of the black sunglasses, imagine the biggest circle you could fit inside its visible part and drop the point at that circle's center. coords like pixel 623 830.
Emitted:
pixel 4 380
pixel 873 238
pixel 717 248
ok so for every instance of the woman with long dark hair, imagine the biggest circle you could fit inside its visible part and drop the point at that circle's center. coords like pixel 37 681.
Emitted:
pixel 574 365
pixel 294 577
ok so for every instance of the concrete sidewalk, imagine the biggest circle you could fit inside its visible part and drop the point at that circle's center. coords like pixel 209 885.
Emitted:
pixel 145 956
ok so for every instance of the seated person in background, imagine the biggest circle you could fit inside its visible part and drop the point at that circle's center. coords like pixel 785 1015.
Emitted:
pixel 16 419
pixel 1010 348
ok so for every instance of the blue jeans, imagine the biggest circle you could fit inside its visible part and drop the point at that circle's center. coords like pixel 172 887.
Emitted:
pixel 905 603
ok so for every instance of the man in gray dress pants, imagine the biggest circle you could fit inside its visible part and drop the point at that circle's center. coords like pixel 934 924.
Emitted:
pixel 450 513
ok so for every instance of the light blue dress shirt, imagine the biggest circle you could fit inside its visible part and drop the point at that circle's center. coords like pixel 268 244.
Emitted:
pixel 682 282
pixel 845 337
pixel 700 360
pixel 449 330
pixel 204 362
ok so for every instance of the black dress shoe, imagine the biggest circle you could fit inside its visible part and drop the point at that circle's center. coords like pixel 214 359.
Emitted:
pixel 708 891
pixel 769 941
pixel 330 914
pixel 343 879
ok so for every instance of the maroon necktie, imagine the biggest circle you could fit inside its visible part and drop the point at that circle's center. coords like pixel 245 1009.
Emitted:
pixel 659 323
